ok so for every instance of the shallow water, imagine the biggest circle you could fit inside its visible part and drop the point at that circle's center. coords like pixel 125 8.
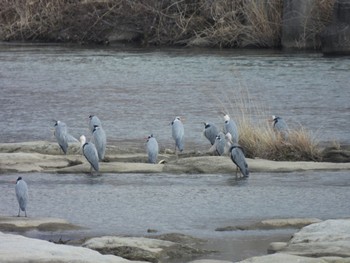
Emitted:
pixel 136 92
pixel 130 204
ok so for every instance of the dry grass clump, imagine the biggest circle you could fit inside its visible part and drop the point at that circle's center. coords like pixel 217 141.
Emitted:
pixel 243 23
pixel 258 138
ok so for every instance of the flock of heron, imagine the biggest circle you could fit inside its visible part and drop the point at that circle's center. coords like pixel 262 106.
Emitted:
pixel 223 142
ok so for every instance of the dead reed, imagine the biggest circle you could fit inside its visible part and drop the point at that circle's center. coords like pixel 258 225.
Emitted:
pixel 218 23
pixel 257 136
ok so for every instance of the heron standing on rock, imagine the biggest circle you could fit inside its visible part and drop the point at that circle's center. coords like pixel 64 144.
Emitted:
pixel 220 143
pixel 210 132
pixel 94 121
pixel 100 141
pixel 231 127
pixel 22 195
pixel 90 153
pixel 61 135
pixel 178 133
pixel 152 149
pixel 280 127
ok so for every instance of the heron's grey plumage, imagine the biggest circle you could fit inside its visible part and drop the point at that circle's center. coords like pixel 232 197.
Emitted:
pixel 94 121
pixel 90 153
pixel 220 143
pixel 210 132
pixel 231 127
pixel 152 149
pixel 61 135
pixel 22 195
pixel 237 156
pixel 280 127
pixel 178 133
pixel 100 141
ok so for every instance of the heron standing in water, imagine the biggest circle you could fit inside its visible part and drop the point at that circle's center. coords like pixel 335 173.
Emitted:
pixel 238 158
pixel 178 133
pixel 22 195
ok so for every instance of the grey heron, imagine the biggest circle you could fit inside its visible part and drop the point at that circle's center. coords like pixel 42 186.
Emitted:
pixel 280 127
pixel 93 121
pixel 178 133
pixel 22 195
pixel 231 127
pixel 152 149
pixel 90 153
pixel 238 158
pixel 61 135
pixel 100 141
pixel 210 132
pixel 220 143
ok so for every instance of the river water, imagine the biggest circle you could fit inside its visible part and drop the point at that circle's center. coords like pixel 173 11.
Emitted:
pixel 130 204
pixel 137 92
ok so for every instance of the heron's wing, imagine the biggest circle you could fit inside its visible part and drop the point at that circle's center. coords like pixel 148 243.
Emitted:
pixel 22 194
pixel 238 158
pixel 90 153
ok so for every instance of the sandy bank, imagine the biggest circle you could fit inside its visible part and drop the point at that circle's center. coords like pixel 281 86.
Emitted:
pixel 46 157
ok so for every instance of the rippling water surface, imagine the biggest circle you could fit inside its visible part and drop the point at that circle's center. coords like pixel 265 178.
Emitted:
pixel 130 204
pixel 137 92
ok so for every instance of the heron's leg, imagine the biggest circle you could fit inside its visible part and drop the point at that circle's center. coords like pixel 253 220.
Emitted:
pixel 19 211
pixel 236 171
pixel 25 213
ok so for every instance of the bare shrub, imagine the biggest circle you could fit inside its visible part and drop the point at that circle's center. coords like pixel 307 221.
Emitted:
pixel 315 21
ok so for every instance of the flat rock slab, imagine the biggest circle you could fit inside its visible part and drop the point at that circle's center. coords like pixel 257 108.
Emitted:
pixel 19 249
pixel 46 157
pixel 141 248
pixel 284 258
pixel 19 224
pixel 273 224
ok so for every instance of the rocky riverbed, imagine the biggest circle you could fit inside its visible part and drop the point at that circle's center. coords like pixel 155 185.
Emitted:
pixel 316 241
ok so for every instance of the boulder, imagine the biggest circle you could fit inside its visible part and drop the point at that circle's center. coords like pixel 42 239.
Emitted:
pixel 141 248
pixel 324 239
pixel 335 39
pixel 19 249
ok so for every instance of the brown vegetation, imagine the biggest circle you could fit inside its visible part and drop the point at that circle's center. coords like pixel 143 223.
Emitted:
pixel 238 23
pixel 257 136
